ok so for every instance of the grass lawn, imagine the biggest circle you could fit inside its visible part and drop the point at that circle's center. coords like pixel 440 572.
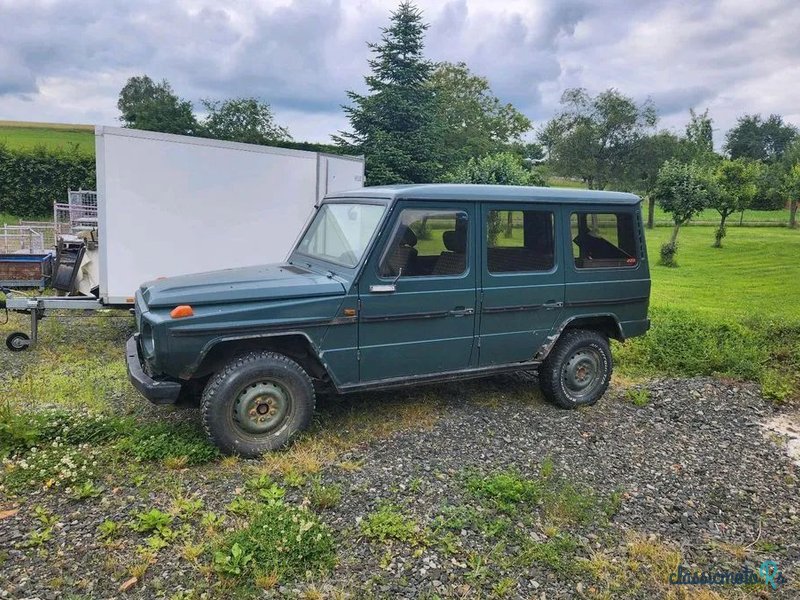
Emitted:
pixel 21 134
pixel 756 272
pixel 6 219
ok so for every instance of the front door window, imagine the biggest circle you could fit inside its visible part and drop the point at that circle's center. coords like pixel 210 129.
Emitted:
pixel 427 243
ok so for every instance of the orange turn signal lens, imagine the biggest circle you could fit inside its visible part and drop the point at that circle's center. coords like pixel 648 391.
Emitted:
pixel 179 312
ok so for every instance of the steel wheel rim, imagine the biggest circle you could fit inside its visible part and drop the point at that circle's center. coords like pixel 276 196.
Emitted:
pixel 261 407
pixel 582 373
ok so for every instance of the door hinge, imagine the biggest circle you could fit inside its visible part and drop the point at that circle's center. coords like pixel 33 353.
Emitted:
pixel 479 341
pixel 358 354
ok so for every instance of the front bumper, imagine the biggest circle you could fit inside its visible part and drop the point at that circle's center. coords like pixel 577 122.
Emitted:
pixel 155 390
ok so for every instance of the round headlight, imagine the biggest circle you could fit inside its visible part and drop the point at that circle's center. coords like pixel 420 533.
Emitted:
pixel 148 343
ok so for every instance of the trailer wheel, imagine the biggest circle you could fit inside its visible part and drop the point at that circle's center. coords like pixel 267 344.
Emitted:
pixel 18 341
pixel 258 402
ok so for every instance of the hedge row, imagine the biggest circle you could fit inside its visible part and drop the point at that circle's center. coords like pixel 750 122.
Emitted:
pixel 31 180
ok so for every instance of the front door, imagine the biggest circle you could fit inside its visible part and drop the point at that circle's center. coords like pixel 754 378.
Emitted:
pixel 522 281
pixel 417 293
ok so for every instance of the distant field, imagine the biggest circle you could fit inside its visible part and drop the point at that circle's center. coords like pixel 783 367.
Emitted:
pixel 711 217
pixel 21 134
pixel 707 217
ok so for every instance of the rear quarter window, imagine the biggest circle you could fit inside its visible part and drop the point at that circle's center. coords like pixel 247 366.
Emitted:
pixel 603 239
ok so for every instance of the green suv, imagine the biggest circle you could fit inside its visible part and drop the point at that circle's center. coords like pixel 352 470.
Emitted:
pixel 396 286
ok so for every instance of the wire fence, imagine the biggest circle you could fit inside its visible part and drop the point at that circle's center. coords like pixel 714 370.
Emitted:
pixel 21 239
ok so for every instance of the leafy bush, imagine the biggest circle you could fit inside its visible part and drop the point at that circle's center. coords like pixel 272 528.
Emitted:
pixel 31 180
pixel 281 540
pixel 668 252
pixel 160 441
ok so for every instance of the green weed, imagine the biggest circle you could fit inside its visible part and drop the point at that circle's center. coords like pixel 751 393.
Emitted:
pixel 281 539
pixel 151 520
pixel 556 553
pixel 505 489
pixel 324 496
pixel 53 466
pixel 86 490
pixel 389 523
pixel 109 529
pixel 638 396
pixel 685 343
pixel 160 441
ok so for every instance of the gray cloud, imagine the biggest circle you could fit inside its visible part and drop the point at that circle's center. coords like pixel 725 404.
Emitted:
pixel 66 59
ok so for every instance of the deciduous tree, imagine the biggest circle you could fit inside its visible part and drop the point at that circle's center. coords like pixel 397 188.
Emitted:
pixel 503 168
pixel 472 121
pixel 735 187
pixel 595 137
pixel 682 190
pixel 650 153
pixel 145 104
pixel 756 139
pixel 247 120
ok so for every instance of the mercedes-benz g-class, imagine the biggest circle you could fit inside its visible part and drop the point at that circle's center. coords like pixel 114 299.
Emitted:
pixel 396 286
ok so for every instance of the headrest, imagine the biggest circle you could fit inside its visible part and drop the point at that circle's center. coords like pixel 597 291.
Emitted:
pixel 406 237
pixel 455 241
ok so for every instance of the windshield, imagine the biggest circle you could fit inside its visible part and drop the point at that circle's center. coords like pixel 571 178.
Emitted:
pixel 340 233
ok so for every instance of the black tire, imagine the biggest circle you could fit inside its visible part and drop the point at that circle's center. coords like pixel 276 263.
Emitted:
pixel 233 400
pixel 18 341
pixel 578 369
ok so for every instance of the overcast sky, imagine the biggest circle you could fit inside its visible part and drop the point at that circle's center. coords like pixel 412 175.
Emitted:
pixel 66 60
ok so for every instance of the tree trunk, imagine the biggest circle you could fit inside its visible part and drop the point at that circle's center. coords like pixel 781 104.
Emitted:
pixel 651 208
pixel 674 237
pixel 793 214
pixel 720 233
pixel 741 218
pixel 510 224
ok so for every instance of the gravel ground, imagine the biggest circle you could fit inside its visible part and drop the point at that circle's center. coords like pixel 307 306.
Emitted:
pixel 694 468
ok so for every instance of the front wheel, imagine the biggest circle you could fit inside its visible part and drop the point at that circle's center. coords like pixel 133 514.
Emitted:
pixel 578 370
pixel 18 341
pixel 257 403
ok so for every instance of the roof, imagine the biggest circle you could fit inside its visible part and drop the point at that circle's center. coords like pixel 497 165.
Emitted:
pixel 506 193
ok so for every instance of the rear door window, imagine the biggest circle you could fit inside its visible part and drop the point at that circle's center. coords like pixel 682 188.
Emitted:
pixel 519 241
pixel 606 239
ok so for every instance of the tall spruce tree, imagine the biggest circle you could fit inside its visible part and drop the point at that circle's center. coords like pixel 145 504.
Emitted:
pixel 393 124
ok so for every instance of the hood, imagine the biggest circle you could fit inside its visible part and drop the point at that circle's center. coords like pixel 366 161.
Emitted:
pixel 243 284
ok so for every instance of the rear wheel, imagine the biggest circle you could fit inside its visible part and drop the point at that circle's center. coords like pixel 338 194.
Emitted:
pixel 578 369
pixel 257 403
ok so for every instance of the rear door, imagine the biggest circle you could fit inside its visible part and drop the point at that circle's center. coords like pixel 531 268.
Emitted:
pixel 522 280
pixel 417 293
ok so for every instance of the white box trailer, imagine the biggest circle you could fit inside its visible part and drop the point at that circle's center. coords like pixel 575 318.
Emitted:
pixel 170 205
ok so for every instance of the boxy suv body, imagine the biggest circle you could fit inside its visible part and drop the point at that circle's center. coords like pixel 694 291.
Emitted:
pixel 399 285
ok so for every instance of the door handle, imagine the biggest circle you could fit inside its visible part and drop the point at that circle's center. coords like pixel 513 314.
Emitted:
pixel 551 304
pixel 462 312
